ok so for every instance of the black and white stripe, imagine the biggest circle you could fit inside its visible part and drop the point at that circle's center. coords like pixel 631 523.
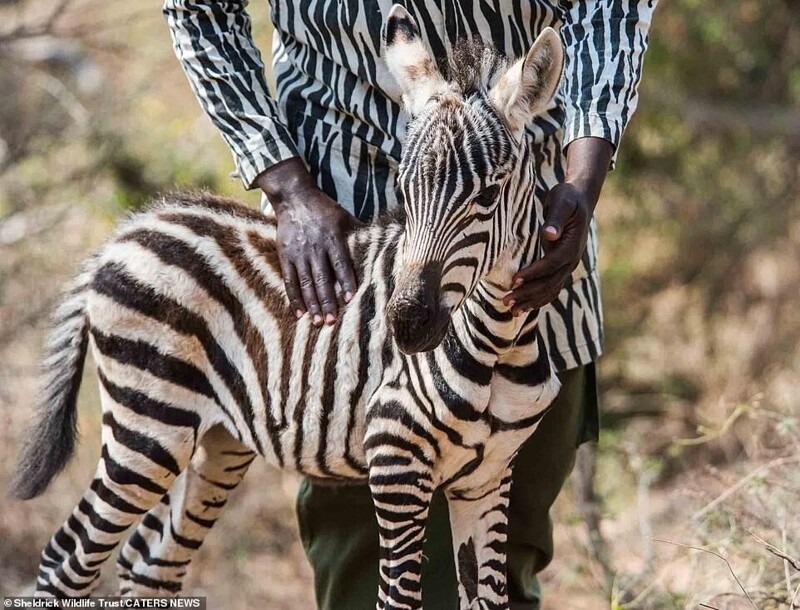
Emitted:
pixel 426 381
pixel 338 106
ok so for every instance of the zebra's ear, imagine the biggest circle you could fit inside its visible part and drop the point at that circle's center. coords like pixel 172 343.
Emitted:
pixel 409 61
pixel 530 83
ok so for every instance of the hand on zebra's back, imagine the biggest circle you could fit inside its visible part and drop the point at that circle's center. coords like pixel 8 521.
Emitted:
pixel 312 241
pixel 569 208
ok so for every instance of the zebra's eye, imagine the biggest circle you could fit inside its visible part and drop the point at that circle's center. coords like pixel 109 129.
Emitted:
pixel 487 196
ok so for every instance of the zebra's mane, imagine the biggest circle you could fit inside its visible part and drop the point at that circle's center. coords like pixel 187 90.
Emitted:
pixel 394 215
pixel 472 66
pixel 388 221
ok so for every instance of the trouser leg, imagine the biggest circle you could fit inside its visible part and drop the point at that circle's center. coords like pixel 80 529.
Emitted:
pixel 340 536
pixel 540 470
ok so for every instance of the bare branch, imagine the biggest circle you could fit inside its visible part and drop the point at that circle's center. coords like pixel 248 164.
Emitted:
pixel 707 435
pixel 715 554
pixel 589 508
pixel 776 551
pixel 743 482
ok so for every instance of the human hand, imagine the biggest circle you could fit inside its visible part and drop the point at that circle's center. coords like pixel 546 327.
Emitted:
pixel 312 241
pixel 569 207
pixel 564 240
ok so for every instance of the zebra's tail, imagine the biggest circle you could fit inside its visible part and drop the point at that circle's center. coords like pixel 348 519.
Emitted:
pixel 51 441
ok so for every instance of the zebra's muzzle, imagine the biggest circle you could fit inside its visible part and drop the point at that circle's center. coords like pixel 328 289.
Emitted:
pixel 416 317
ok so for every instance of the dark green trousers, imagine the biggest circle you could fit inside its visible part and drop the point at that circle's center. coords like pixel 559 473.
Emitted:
pixel 340 533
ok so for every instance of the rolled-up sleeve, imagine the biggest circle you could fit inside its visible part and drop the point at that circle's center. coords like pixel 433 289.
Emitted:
pixel 605 41
pixel 214 44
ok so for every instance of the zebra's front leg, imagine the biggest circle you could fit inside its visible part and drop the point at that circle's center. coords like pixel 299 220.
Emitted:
pixel 479 522
pixel 401 491
pixel 155 558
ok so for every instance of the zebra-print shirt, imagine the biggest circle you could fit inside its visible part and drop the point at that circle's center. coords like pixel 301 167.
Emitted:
pixel 337 106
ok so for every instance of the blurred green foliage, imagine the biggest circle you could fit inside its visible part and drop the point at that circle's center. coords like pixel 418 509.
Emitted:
pixel 707 203
pixel 711 161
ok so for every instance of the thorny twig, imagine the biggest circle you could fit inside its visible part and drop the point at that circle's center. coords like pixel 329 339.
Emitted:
pixel 776 551
pixel 715 554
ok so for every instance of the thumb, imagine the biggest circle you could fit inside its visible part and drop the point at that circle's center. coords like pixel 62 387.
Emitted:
pixel 558 212
pixel 350 223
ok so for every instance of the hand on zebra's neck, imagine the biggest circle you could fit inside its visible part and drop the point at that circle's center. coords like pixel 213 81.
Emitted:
pixel 570 207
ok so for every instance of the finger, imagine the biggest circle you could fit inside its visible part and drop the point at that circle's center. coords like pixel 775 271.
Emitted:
pixel 324 284
pixel 558 212
pixel 352 223
pixel 541 300
pixel 343 268
pixel 547 265
pixel 292 286
pixel 308 290
pixel 538 289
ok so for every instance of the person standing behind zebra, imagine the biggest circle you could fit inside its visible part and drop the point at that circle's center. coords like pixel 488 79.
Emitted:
pixel 324 151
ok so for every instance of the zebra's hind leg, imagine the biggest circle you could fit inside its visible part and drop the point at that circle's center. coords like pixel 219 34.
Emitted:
pixel 479 521
pixel 155 558
pixel 135 470
pixel 402 501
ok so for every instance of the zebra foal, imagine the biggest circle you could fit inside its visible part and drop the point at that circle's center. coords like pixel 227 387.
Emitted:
pixel 426 381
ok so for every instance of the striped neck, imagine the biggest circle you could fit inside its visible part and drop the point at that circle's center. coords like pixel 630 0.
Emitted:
pixel 375 252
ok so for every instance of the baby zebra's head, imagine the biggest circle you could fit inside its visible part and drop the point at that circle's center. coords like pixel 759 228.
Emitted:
pixel 458 155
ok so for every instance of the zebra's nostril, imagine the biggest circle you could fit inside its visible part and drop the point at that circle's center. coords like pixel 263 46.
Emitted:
pixel 414 324
pixel 413 313
pixel 421 315
pixel 413 309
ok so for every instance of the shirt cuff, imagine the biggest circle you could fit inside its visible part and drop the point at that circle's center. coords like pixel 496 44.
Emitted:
pixel 592 125
pixel 262 155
